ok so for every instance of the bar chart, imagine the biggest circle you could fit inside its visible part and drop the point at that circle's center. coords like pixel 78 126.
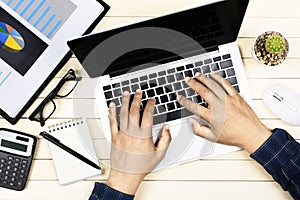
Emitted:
pixel 47 16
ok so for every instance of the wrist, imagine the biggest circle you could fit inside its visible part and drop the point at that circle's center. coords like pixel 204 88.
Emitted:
pixel 127 183
pixel 257 139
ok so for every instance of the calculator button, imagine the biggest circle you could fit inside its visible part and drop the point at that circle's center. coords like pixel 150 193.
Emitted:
pixel 13 179
pixel 15 169
pixel 16 164
pixel 5 177
pixel 4 182
pixel 8 167
pixel 14 174
pixel 11 184
pixel 1 165
pixel 17 160
pixel 6 172
pixel 22 171
pixel 24 166
pixel 9 162
pixel 19 183
pixel 10 158
pixel 24 161
pixel 21 175
pixel 2 160
pixel 1 171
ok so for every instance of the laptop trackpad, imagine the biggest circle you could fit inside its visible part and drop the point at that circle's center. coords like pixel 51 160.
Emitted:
pixel 186 146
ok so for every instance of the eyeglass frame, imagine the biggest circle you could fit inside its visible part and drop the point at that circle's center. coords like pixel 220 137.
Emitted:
pixel 51 96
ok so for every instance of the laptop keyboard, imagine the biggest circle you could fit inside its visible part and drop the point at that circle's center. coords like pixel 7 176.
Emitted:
pixel 166 85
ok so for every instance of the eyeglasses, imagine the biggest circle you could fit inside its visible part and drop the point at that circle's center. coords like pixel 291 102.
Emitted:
pixel 63 89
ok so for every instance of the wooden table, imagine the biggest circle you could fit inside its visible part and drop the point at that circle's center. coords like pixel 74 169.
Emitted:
pixel 231 176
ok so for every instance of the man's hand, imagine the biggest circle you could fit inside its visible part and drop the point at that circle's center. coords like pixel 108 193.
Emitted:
pixel 231 119
pixel 133 153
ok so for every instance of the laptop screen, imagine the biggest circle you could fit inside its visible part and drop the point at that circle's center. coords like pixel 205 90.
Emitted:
pixel 120 50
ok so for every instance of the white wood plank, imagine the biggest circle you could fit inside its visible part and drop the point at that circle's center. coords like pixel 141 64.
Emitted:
pixel 204 170
pixel 149 190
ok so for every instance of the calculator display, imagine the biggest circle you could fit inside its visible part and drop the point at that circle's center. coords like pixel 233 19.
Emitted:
pixel 13 145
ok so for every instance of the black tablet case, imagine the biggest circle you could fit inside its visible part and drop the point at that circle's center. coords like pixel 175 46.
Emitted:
pixel 58 67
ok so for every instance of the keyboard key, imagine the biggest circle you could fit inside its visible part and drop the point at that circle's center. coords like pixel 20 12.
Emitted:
pixel 198 69
pixel 182 93
pixel 159 91
pixel 190 92
pixel 171 79
pixel 134 87
pixel 179 77
pixel 232 81
pixel 188 73
pixel 236 87
pixel 144 86
pixel 162 81
pixel 108 87
pixel 155 112
pixel 215 67
pixel 153 83
pixel 226 64
pixel 179 69
pixel 199 64
pixel 190 66
pixel 135 80
pixel 116 85
pixel 164 99
pixel 143 78
pixel 117 92
pixel 172 97
pixel 144 103
pixel 150 93
pixel 171 71
pixel 186 113
pixel 184 85
pixel 226 56
pixel 108 102
pixel 162 73
pixel 177 86
pixel 153 75
pixel 222 73
pixel 230 72
pixel 127 88
pixel 124 83
pixel 168 88
pixel 177 105
pixel 171 106
pixel 208 61
pixel 108 95
pixel 217 59
pixel 116 101
pixel 161 109
pixel 206 69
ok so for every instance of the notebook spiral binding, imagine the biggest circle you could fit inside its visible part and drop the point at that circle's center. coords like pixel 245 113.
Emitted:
pixel 65 125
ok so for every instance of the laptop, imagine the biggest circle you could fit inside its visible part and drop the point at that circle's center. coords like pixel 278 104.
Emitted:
pixel 155 56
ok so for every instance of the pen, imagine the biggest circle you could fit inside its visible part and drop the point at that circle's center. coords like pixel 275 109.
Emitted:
pixel 55 141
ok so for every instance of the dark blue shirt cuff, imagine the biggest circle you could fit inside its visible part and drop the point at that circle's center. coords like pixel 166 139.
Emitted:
pixel 279 155
pixel 103 192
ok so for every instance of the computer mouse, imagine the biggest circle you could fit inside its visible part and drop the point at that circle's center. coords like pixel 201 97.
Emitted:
pixel 284 102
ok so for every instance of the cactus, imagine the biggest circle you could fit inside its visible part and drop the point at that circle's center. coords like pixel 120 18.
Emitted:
pixel 275 44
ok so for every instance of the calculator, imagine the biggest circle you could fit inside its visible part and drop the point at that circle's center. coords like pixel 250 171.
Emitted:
pixel 16 155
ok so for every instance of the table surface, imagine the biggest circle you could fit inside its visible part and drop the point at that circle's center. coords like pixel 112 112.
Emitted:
pixel 230 176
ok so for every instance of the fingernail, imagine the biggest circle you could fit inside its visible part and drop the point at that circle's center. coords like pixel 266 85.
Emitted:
pixel 112 105
pixel 187 79
pixel 138 91
pixel 126 93
pixel 167 127
pixel 179 97
pixel 197 74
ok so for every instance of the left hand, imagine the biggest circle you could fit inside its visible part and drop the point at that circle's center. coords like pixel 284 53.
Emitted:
pixel 133 153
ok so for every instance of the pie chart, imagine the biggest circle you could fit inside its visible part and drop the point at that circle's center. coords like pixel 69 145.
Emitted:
pixel 10 39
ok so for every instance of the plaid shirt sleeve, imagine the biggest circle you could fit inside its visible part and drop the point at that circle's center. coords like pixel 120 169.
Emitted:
pixel 103 192
pixel 280 156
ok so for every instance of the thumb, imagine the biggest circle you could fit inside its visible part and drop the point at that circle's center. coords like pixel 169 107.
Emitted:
pixel 202 131
pixel 165 138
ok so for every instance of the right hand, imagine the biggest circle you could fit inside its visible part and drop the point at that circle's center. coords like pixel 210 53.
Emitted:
pixel 231 119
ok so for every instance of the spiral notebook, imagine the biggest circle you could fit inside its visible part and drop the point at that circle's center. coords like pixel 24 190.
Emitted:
pixel 74 134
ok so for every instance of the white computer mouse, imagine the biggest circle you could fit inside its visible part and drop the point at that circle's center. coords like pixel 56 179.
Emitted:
pixel 284 102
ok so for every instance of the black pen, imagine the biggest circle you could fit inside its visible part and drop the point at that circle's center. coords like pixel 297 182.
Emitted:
pixel 55 141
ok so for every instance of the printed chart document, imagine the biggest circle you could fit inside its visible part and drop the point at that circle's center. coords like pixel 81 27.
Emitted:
pixel 33 42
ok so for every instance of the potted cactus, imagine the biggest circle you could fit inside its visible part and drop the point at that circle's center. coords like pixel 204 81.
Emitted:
pixel 271 48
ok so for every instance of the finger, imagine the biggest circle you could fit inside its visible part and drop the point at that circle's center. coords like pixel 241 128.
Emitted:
pixel 225 84
pixel 147 120
pixel 193 107
pixel 124 111
pixel 201 89
pixel 165 138
pixel 134 116
pixel 202 131
pixel 113 119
